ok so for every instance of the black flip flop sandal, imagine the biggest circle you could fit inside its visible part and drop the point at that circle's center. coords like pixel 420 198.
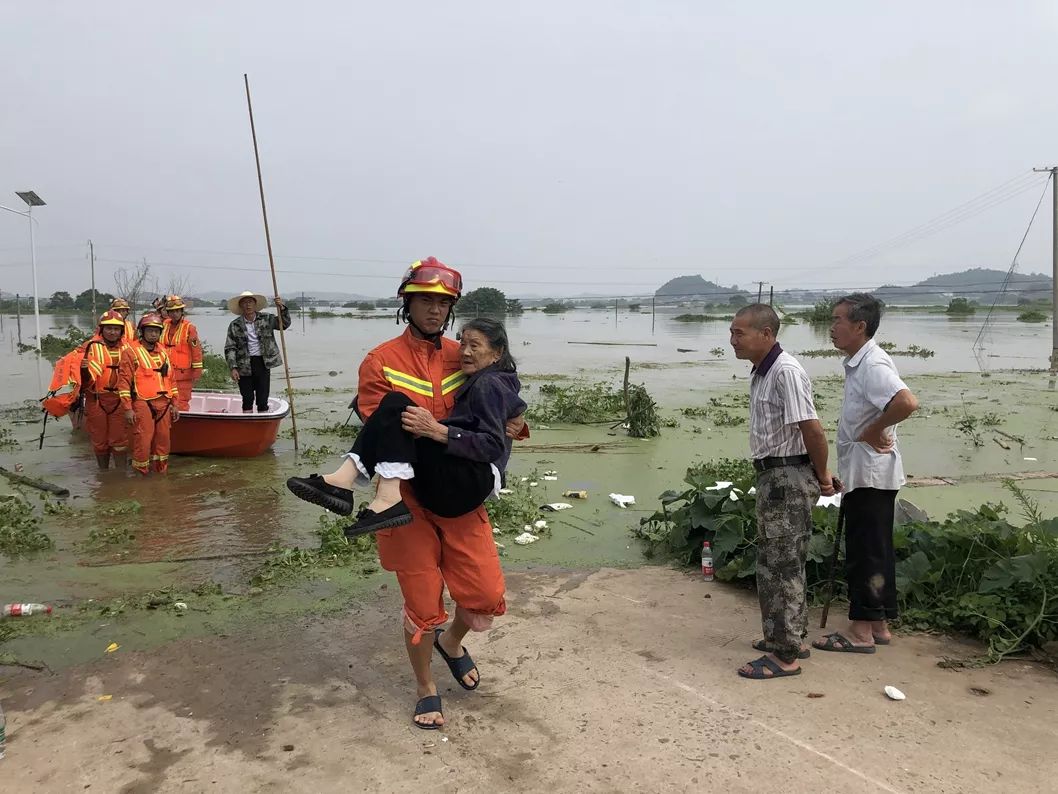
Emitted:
pixel 318 491
pixel 839 643
pixel 460 666
pixel 368 520
pixel 425 706
pixel 759 645
pixel 758 674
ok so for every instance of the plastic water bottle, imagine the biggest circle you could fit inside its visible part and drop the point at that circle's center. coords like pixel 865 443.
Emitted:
pixel 707 561
pixel 24 610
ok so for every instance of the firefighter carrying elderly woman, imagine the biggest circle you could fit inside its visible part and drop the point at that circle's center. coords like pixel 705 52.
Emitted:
pixel 148 396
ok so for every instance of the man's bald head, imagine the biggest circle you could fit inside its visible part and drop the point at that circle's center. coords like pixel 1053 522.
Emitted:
pixel 760 316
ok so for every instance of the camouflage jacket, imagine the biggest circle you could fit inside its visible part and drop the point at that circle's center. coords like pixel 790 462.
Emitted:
pixel 236 347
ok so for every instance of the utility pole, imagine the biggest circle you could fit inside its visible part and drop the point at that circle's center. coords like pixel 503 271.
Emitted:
pixel 92 260
pixel 18 315
pixel 760 291
pixel 771 295
pixel 1053 170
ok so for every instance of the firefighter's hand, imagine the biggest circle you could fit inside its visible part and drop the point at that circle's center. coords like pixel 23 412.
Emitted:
pixel 515 425
pixel 175 412
pixel 130 417
pixel 235 374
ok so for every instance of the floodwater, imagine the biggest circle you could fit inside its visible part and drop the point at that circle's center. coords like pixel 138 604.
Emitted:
pixel 229 510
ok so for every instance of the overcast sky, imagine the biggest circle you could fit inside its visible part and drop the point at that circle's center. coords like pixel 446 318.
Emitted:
pixel 584 146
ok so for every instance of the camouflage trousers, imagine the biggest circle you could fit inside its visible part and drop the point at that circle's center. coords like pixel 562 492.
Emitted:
pixel 785 498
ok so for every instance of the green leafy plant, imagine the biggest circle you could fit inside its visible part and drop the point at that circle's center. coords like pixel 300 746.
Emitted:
pixel 974 572
pixel 510 512
pixel 1032 316
pixel 20 531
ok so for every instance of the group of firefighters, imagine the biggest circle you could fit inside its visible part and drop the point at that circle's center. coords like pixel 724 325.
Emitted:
pixel 136 381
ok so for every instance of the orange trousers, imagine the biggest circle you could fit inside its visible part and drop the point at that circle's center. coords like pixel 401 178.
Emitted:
pixel 184 381
pixel 150 435
pixel 105 423
pixel 432 552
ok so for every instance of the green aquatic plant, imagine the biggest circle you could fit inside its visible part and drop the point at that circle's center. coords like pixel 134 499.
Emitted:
pixel 1032 316
pixel 20 531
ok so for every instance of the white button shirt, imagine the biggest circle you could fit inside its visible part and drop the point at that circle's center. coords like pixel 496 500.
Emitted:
pixel 780 397
pixel 871 381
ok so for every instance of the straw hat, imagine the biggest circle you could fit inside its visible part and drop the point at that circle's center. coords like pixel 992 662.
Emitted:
pixel 233 303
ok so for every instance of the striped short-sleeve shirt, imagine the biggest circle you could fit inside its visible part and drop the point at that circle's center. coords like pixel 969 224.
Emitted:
pixel 780 396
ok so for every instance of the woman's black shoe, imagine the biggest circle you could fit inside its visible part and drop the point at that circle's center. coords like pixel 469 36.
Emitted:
pixel 370 521
pixel 317 490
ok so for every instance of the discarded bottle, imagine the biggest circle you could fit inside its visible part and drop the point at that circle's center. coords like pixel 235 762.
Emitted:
pixel 707 561
pixel 24 610
pixel 575 494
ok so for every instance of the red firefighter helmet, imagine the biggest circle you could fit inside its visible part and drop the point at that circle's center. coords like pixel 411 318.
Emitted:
pixel 430 275
pixel 150 320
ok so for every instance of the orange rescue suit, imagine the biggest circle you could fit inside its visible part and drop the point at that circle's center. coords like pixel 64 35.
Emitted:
pixel 431 551
pixel 185 353
pixel 145 387
pixel 104 421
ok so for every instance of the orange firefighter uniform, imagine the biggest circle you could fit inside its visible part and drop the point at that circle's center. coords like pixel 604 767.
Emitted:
pixel 104 420
pixel 145 387
pixel 432 552
pixel 185 352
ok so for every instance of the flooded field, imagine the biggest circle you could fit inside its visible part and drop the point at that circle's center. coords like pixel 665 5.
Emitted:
pixel 214 520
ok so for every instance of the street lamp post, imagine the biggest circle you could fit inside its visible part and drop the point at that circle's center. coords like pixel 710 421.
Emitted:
pixel 33 200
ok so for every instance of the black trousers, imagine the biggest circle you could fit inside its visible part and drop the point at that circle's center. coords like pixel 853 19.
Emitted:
pixel 257 383
pixel 870 563
pixel 444 484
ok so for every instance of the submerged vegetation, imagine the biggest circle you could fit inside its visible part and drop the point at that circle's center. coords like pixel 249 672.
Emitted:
pixel 1032 316
pixel 55 347
pixel 597 403
pixel 285 562
pixel 20 531
pixel 975 572
pixel 889 347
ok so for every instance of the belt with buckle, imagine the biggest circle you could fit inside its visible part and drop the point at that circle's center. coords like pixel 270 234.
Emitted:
pixel 763 464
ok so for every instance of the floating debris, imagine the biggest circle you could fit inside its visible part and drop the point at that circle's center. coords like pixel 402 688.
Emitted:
pixel 554 507
pixel 526 538
pixel 575 494
pixel 622 500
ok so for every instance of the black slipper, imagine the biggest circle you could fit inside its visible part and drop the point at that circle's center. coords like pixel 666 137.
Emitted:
pixel 317 490
pixel 840 644
pixel 425 706
pixel 758 674
pixel 368 520
pixel 760 646
pixel 460 666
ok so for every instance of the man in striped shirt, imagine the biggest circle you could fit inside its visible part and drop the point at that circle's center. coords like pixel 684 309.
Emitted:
pixel 789 451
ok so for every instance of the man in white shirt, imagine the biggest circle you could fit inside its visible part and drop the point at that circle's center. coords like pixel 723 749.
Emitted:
pixel 869 465
pixel 789 451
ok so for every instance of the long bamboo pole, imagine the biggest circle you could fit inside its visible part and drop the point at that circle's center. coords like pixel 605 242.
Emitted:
pixel 271 262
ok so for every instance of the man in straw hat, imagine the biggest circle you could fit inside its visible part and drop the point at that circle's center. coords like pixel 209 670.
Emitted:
pixel 180 338
pixel 250 348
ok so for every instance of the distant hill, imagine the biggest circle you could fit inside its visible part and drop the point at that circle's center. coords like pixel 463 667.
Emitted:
pixel 697 288
pixel 978 284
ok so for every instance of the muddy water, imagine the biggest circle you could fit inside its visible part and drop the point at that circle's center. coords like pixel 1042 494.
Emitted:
pixel 229 510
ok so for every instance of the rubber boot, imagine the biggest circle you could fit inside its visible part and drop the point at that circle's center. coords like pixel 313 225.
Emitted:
pixel 103 461
pixel 120 462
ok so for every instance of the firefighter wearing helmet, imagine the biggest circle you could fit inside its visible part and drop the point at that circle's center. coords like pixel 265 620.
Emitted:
pixel 121 306
pixel 99 383
pixel 148 397
pixel 180 338
pixel 431 552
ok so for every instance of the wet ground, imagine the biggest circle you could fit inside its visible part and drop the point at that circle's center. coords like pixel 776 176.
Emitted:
pixel 602 680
